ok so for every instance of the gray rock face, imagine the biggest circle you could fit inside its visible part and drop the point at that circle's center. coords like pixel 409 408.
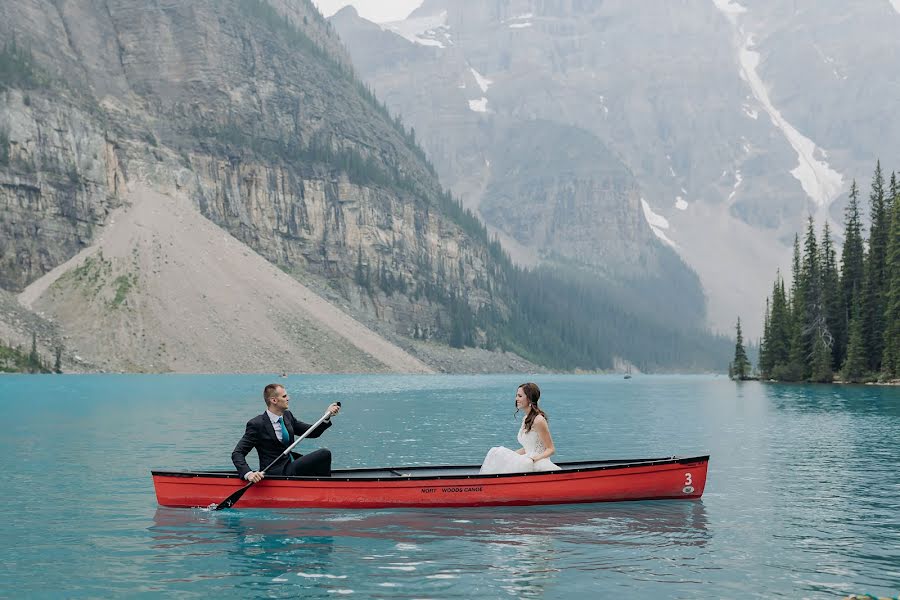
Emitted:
pixel 242 105
pixel 557 188
pixel 733 120
pixel 58 185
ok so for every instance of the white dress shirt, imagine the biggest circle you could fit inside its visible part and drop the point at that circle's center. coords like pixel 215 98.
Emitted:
pixel 276 425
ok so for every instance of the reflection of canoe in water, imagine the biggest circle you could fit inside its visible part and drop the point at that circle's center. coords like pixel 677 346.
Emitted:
pixel 588 481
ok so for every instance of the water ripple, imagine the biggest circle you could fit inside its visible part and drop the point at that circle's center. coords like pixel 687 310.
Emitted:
pixel 801 499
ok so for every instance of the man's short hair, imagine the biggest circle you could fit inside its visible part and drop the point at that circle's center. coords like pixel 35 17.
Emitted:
pixel 270 391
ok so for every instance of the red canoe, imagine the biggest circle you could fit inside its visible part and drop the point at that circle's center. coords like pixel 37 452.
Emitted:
pixel 576 482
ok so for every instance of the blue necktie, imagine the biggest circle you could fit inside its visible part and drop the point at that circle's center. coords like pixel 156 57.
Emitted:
pixel 285 436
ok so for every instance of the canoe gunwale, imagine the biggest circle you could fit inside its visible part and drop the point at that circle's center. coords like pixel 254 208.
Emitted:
pixel 566 468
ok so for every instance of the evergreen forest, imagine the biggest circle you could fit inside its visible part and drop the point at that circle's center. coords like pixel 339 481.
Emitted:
pixel 839 319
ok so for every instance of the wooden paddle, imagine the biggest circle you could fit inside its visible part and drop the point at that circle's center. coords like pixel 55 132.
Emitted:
pixel 233 498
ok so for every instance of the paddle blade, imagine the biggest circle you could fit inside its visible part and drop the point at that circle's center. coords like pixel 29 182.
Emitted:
pixel 233 498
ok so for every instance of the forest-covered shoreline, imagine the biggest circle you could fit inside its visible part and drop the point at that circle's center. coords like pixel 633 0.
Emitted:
pixel 837 323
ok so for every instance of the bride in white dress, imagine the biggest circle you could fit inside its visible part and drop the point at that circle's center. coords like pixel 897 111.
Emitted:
pixel 534 435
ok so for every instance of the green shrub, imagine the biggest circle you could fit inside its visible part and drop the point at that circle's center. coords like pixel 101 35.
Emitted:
pixel 4 147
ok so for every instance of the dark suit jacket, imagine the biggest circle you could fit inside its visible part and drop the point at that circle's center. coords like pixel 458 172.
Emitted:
pixel 261 435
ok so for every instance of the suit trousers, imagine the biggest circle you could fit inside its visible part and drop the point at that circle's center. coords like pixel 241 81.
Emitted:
pixel 315 464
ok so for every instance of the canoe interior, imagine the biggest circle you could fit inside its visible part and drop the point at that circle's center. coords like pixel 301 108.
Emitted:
pixel 451 472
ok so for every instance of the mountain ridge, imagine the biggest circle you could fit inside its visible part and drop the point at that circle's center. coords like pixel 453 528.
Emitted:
pixel 736 121
pixel 234 109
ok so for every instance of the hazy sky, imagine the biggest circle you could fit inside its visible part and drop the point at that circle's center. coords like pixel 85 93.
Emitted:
pixel 374 10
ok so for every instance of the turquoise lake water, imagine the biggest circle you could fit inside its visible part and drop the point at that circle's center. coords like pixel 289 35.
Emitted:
pixel 802 497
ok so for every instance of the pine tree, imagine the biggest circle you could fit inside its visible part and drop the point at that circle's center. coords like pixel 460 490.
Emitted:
pixel 890 363
pixel 775 348
pixel 854 368
pixel 794 370
pixel 765 358
pixel 873 284
pixel 894 194
pixel 362 271
pixel 852 264
pixel 832 308
pixel 808 319
pixel 778 343
pixel 34 359
pixel 740 369
pixel 796 272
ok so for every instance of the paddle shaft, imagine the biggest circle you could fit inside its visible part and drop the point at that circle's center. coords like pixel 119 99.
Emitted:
pixel 297 441
pixel 233 498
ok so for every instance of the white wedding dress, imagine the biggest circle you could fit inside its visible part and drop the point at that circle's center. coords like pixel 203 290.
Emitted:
pixel 503 460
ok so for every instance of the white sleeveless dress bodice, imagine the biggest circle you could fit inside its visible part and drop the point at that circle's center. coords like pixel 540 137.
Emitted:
pixel 531 441
pixel 503 460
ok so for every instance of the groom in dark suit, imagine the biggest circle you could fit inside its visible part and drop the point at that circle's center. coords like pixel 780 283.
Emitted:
pixel 273 431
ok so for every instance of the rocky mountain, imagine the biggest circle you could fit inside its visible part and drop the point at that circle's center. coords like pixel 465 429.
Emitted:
pixel 158 157
pixel 212 103
pixel 719 125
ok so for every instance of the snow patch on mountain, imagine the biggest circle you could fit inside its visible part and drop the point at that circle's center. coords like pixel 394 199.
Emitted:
pixel 681 203
pixel 730 9
pixel 431 30
pixel 606 109
pixel 517 22
pixel 483 82
pixel 479 105
pixel 671 170
pixel 820 182
pixel 737 183
pixel 895 4
pixel 657 223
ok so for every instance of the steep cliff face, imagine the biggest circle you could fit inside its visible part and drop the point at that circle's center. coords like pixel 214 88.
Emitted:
pixel 378 250
pixel 251 110
pixel 58 185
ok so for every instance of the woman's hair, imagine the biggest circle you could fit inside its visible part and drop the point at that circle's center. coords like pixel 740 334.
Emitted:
pixel 533 393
